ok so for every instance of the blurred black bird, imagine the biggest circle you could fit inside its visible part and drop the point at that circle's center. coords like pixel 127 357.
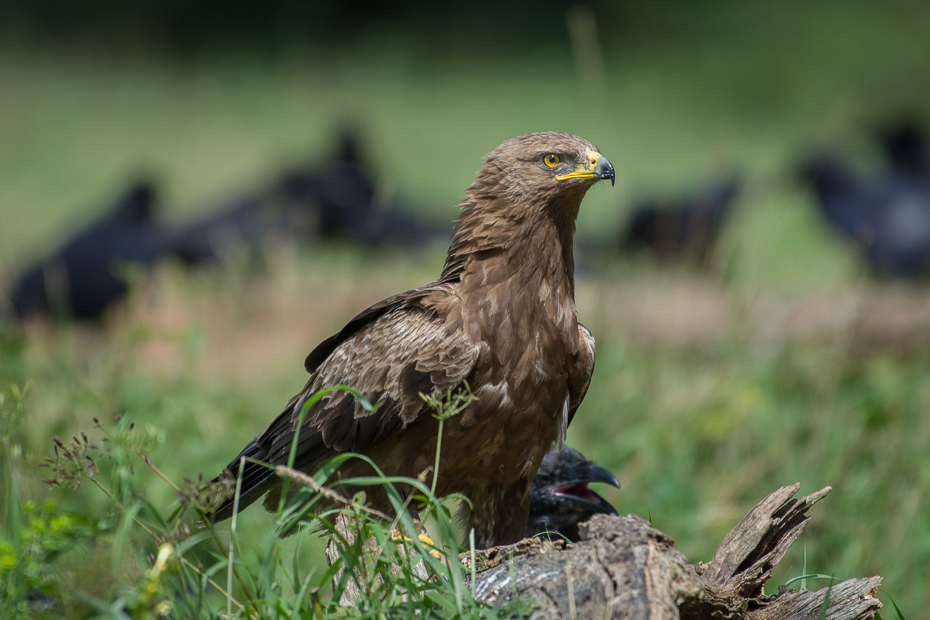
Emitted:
pixel 906 147
pixel 349 208
pixel 685 228
pixel 85 275
pixel 559 495
pixel 336 200
pixel 243 225
pixel 887 218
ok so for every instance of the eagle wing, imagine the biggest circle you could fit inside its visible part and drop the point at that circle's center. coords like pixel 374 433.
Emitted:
pixel 391 353
pixel 579 376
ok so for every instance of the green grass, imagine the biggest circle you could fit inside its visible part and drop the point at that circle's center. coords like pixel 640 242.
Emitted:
pixel 696 434
pixel 395 574
pixel 697 423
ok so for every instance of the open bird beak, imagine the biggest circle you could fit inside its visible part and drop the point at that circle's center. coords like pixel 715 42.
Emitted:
pixel 578 495
pixel 595 166
pixel 602 474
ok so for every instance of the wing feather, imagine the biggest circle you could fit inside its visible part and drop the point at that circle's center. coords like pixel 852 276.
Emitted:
pixel 405 352
pixel 579 377
pixel 390 353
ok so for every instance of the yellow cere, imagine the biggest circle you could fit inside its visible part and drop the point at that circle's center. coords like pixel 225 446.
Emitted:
pixel 584 170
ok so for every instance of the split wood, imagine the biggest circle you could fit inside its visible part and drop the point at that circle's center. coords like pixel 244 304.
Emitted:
pixel 626 569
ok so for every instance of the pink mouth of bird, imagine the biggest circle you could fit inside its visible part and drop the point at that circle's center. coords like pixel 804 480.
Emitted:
pixel 579 490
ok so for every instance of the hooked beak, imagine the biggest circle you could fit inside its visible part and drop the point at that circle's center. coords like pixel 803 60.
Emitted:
pixel 602 474
pixel 579 496
pixel 595 166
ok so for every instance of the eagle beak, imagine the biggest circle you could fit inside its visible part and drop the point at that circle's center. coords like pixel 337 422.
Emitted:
pixel 595 167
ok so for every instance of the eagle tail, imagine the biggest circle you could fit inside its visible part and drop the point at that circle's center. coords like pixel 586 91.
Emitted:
pixel 257 479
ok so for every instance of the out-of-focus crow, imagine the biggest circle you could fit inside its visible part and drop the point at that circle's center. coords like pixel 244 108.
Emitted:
pixel 84 276
pixel 683 228
pixel 337 200
pixel 906 148
pixel 559 495
pixel 888 218
pixel 281 212
pixel 344 193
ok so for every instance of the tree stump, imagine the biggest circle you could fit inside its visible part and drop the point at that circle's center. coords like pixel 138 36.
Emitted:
pixel 625 569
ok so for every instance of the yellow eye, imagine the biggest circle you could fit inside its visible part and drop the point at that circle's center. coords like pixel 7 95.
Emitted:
pixel 552 160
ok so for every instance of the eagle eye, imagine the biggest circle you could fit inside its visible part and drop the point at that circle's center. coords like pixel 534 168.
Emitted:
pixel 552 160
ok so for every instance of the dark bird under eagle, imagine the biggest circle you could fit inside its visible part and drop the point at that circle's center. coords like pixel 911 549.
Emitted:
pixel 560 498
pixel 501 317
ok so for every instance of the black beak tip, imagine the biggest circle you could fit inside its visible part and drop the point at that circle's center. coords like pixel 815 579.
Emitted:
pixel 602 474
pixel 605 170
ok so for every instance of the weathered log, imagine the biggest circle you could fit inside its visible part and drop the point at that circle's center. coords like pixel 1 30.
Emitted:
pixel 346 529
pixel 624 569
pixel 367 574
pixel 627 569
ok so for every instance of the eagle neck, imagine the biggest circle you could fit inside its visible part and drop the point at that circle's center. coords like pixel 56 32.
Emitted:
pixel 533 245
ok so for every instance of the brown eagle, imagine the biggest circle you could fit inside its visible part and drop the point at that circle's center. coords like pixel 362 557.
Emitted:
pixel 501 317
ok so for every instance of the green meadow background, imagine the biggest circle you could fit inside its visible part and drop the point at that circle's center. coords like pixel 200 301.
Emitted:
pixel 784 363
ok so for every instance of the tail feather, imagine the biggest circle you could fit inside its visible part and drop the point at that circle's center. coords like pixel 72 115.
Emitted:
pixel 274 449
pixel 256 480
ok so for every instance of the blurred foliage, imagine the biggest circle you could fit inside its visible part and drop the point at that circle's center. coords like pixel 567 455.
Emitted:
pixel 185 27
pixel 31 573
pixel 688 89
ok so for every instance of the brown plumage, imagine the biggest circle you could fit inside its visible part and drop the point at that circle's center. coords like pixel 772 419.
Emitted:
pixel 501 317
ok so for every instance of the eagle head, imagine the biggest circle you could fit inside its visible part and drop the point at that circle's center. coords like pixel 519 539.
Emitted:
pixel 525 183
pixel 550 163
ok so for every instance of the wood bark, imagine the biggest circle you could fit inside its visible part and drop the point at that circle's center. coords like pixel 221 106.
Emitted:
pixel 625 569
pixel 347 528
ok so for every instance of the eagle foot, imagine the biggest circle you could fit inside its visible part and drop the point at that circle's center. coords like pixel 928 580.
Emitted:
pixel 396 536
